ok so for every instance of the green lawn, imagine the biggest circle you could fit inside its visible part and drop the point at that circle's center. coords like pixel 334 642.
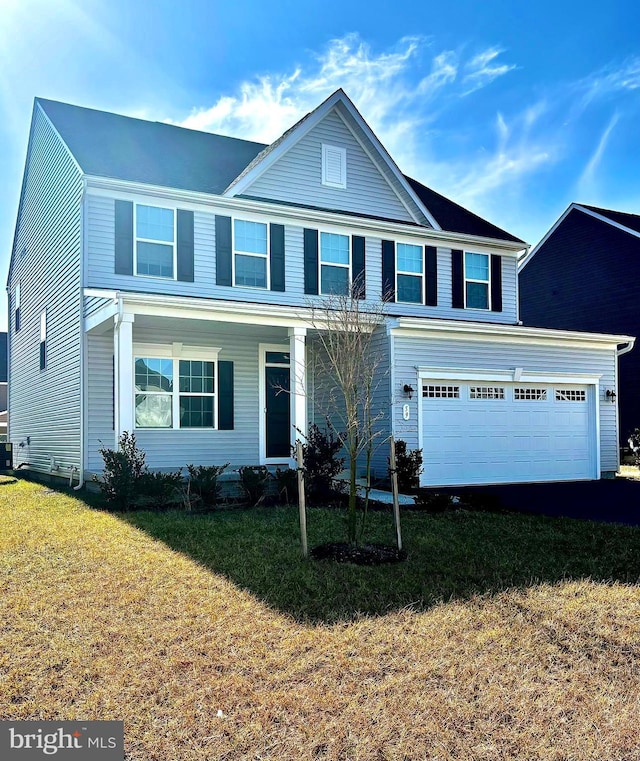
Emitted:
pixel 502 636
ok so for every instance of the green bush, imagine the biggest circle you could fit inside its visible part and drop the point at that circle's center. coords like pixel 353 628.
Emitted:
pixel 408 467
pixel 203 487
pixel 159 490
pixel 634 443
pixel 287 485
pixel 123 469
pixel 253 479
pixel 433 502
pixel 321 465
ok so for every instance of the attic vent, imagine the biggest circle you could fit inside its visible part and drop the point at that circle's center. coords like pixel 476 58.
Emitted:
pixel 334 166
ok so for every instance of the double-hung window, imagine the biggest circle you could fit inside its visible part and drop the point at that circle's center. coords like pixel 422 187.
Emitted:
pixel 155 233
pixel 250 254
pixel 476 281
pixel 409 273
pixel 172 392
pixel 335 264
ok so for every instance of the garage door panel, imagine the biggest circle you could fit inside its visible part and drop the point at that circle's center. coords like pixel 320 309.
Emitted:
pixel 526 434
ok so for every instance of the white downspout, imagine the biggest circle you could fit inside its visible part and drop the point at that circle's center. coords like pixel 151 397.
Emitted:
pixel 83 339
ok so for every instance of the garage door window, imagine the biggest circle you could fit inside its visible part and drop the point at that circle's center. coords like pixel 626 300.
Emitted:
pixel 441 392
pixel 530 394
pixel 486 392
pixel 570 395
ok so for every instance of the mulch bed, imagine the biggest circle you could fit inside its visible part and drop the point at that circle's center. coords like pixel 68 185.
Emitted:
pixel 366 554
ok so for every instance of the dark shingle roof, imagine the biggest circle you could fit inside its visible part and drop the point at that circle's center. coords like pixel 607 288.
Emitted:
pixel 109 145
pixel 121 147
pixel 632 221
pixel 455 218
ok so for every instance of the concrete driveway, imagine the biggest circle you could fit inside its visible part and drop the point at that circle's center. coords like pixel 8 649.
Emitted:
pixel 612 500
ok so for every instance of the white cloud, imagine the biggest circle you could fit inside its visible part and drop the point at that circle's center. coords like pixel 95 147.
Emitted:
pixel 481 70
pixel 586 185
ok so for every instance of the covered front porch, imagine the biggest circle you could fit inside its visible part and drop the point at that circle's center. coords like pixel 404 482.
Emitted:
pixel 197 381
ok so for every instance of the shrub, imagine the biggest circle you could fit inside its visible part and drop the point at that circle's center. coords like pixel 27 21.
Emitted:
pixel 159 490
pixel 321 464
pixel 433 502
pixel 287 484
pixel 123 469
pixel 253 479
pixel 203 487
pixel 408 467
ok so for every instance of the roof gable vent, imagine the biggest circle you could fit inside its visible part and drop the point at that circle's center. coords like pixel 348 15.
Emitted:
pixel 334 166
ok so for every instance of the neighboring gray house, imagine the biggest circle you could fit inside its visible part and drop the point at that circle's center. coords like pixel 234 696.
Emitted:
pixel 3 386
pixel 161 282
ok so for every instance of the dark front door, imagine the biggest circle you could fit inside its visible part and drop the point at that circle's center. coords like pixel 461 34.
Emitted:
pixel 277 412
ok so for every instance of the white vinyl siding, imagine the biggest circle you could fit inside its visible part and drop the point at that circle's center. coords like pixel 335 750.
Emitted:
pixel 297 176
pixel 45 406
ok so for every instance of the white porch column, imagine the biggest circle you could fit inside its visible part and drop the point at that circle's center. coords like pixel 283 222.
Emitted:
pixel 123 374
pixel 298 395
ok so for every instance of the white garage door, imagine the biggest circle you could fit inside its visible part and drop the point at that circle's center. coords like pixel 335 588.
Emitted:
pixel 487 433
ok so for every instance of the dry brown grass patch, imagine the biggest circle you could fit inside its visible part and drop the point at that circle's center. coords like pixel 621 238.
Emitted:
pixel 102 622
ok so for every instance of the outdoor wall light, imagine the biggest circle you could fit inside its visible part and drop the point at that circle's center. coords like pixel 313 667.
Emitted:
pixel 408 390
pixel 611 395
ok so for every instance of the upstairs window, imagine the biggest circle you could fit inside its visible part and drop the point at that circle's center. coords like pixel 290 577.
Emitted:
pixel 335 264
pixel 17 307
pixel 334 166
pixel 43 339
pixel 250 254
pixel 409 274
pixel 155 237
pixel 476 280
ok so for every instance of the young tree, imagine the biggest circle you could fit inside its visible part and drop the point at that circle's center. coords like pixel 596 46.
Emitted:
pixel 345 363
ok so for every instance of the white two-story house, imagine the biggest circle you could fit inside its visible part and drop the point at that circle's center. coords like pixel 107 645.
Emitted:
pixel 161 282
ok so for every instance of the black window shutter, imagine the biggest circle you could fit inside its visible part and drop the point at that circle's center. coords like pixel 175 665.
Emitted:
pixel 223 250
pixel 225 396
pixel 496 283
pixel 124 238
pixel 457 280
pixel 388 270
pixel 185 246
pixel 431 270
pixel 358 281
pixel 276 236
pixel 311 261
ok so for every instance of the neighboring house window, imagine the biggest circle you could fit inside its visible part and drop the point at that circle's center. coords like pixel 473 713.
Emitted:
pixel 334 166
pixel 17 307
pixel 335 264
pixel 250 254
pixel 155 241
pixel 162 403
pixel 43 339
pixel 476 280
pixel 409 273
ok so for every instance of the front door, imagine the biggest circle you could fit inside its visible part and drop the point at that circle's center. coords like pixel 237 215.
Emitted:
pixel 277 405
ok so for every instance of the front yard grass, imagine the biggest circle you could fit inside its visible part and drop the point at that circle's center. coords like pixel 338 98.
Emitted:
pixel 501 637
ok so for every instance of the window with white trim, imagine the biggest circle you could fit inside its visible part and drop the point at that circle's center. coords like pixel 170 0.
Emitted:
pixel 476 281
pixel 334 166
pixel 530 394
pixel 155 236
pixel 43 339
pixel 440 392
pixel 335 264
pixel 570 395
pixel 486 392
pixel 250 254
pixel 160 402
pixel 409 273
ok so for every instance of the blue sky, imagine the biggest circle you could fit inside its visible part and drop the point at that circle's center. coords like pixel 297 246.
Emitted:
pixel 513 109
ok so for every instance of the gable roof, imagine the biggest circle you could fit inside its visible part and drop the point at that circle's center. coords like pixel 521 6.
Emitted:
pixel 136 150
pixel 622 220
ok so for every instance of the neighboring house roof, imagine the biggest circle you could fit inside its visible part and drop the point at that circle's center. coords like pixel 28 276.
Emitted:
pixel 125 148
pixel 3 358
pixel 629 223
